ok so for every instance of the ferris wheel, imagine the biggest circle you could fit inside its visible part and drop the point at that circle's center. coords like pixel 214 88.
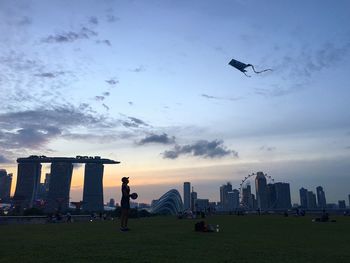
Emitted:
pixel 246 180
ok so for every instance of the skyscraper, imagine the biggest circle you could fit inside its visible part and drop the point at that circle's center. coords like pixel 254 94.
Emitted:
pixel 93 187
pixel 60 180
pixel 321 197
pixel 28 179
pixel 111 202
pixel 271 196
pixel 303 198
pixel 283 200
pixel 193 200
pixel 311 200
pixel 187 195
pixel 224 195
pixel 341 204
pixel 247 197
pixel 261 190
pixel 5 185
pixel 233 200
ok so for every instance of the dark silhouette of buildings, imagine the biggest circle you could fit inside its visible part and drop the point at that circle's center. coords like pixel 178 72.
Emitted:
pixel 59 181
pixel 303 198
pixel 341 204
pixel 224 196
pixel 5 185
pixel 93 187
pixel 261 191
pixel 311 200
pixel 233 198
pixel 28 179
pixel 247 197
pixel 193 200
pixel 283 199
pixel 321 197
pixel 58 195
pixel 187 195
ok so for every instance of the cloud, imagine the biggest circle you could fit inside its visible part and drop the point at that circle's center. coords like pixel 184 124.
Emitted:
pixel 4 160
pixel 139 69
pixel 58 116
pixel 267 148
pixel 33 129
pixel 202 148
pixel 49 74
pixel 24 21
pixel 155 138
pixel 310 60
pixel 34 137
pixel 106 42
pixel 105 106
pixel 219 98
pixel 65 37
pixel 99 98
pixel 278 91
pixel 112 81
pixel 112 18
pixel 132 122
pixel 93 20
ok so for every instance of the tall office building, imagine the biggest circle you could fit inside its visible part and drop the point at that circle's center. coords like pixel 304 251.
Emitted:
pixel 60 180
pixel 224 196
pixel 271 196
pixel 349 200
pixel 321 197
pixel 341 204
pixel 261 190
pixel 247 197
pixel 111 202
pixel 303 198
pixel 5 186
pixel 93 187
pixel 311 200
pixel 233 200
pixel 202 205
pixel 28 179
pixel 193 200
pixel 283 200
pixel 187 195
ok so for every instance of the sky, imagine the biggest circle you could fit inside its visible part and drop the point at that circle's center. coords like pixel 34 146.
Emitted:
pixel 148 83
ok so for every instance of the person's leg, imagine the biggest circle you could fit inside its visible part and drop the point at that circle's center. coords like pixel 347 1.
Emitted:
pixel 126 217
pixel 122 219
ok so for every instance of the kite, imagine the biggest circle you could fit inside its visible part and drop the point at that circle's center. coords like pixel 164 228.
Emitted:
pixel 242 67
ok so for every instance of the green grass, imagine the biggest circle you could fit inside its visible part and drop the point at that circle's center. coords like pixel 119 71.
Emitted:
pixel 166 239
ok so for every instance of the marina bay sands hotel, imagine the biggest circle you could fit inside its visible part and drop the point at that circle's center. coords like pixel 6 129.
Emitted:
pixel 28 180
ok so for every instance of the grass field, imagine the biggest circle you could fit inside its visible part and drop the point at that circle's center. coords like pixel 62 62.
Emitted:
pixel 166 239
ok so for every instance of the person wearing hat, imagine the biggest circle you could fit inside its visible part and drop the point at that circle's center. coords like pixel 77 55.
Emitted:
pixel 125 204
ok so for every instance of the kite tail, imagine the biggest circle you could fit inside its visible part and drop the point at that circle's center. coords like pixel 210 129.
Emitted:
pixel 259 71
pixel 246 74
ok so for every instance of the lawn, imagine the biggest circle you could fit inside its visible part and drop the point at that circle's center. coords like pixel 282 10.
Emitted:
pixel 167 239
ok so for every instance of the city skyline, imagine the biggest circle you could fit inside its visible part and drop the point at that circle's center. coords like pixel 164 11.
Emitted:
pixel 148 83
pixel 275 195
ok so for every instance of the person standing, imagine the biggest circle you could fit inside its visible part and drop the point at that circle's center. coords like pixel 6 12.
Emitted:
pixel 125 205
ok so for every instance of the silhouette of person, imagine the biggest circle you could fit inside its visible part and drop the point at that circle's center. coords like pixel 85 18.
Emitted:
pixel 125 204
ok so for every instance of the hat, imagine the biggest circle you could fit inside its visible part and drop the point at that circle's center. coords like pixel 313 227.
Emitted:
pixel 125 178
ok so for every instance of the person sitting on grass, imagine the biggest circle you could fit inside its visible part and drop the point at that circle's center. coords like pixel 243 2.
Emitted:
pixel 125 205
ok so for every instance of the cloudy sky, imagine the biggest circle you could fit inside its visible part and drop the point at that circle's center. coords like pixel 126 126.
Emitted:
pixel 148 83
